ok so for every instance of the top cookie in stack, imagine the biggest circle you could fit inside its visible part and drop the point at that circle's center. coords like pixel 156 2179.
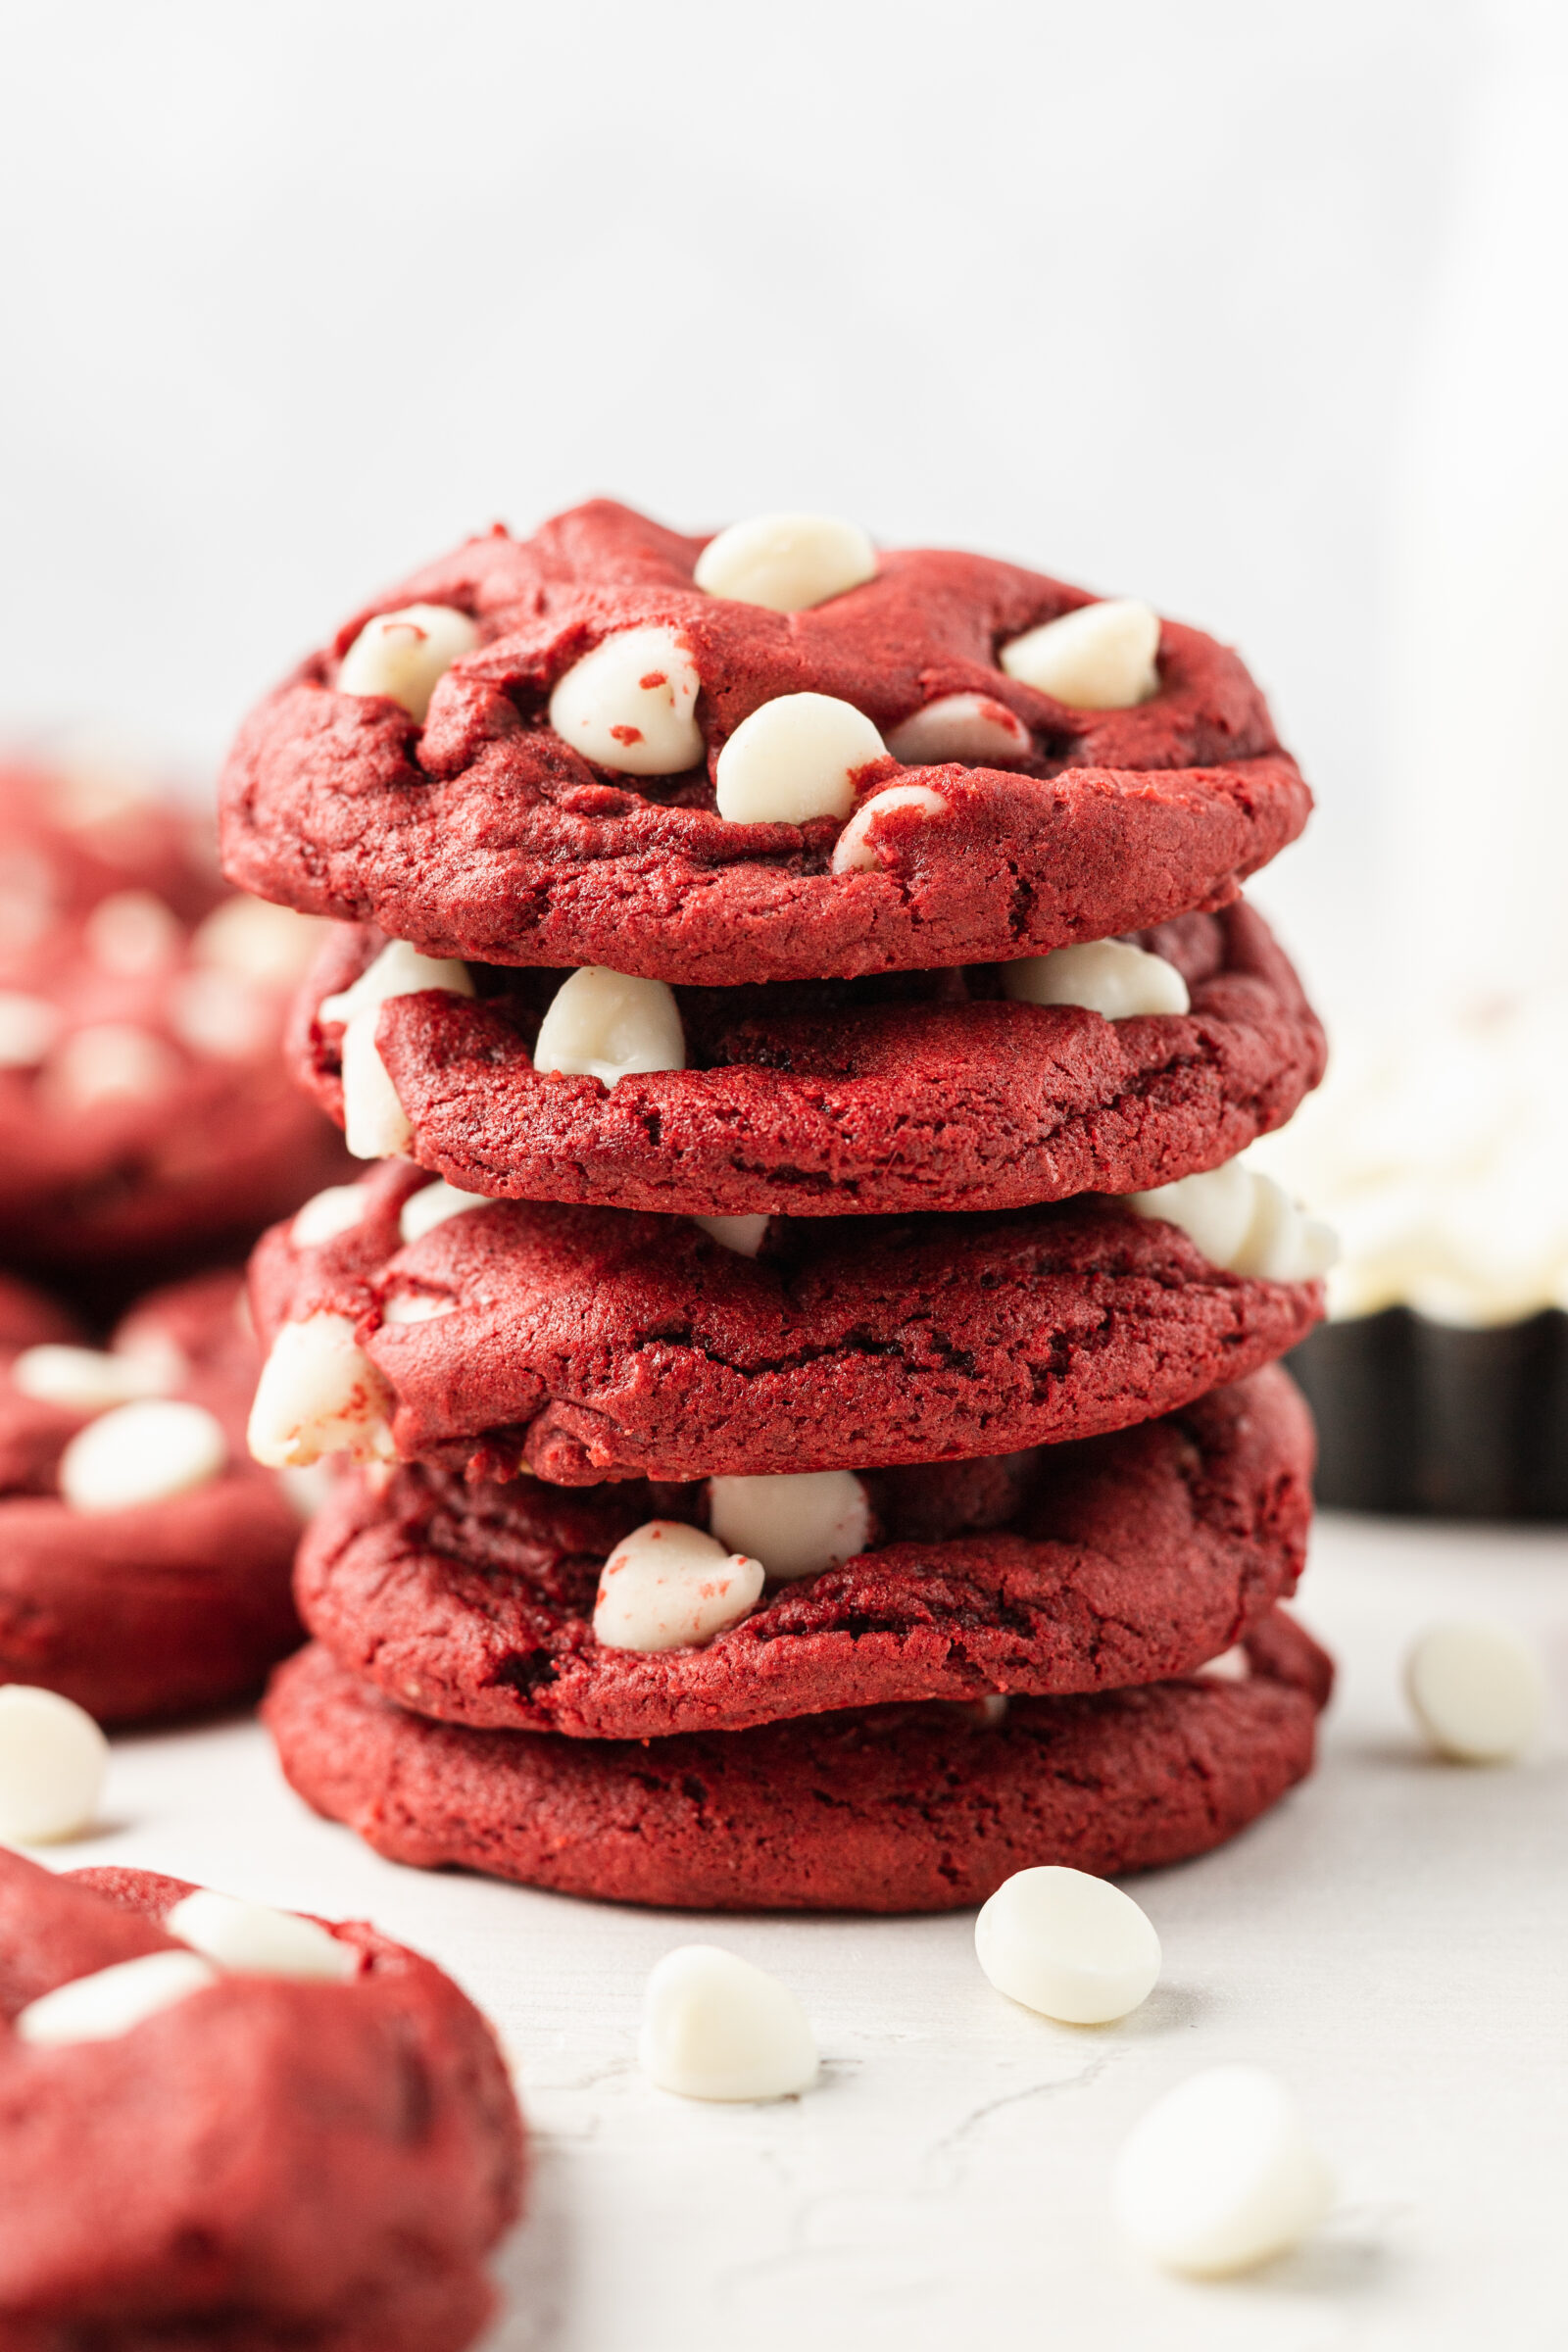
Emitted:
pixel 873 916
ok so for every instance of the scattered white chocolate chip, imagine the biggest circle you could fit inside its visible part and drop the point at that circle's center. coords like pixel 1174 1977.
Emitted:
pixel 132 932
pixel 632 704
pixel 744 1235
pixel 1100 658
pixel 795 1524
pixel 375 1123
pixel 716 2027
pixel 1072 1946
pixel 969 729
pixel 1244 1222
pixel 608 1025
pixel 1478 1690
pixel 160 1361
pixel 148 1451
pixel 417 1307
pixel 29 1027
pixel 786 563
pixel 403 654
pixel 1233 1665
pixel 110 2001
pixel 255 1940
pixel 86 1379
pixel 854 851
pixel 423 1211
pixel 53 1758
pixel 1220 2174
pixel 1109 976
pixel 111 1061
pixel 222 1016
pixel 794 759
pixel 257 940
pixel 326 1214
pixel 666 1586
pixel 318 1393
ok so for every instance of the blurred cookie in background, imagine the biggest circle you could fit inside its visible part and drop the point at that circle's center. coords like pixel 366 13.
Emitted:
pixel 146 1125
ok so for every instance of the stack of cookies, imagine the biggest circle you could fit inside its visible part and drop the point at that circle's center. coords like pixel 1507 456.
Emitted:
pixel 809 1343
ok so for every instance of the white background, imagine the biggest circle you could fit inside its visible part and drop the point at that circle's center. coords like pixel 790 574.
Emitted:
pixel 296 294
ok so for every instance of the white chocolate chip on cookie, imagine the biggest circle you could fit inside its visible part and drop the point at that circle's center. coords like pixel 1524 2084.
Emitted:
pixel 797 1524
pixel 608 1025
pixel 972 730
pixel 404 655
pixel 667 1586
pixel 375 1123
pixel 112 2000
pixel 53 1758
pixel 254 1940
pixel 148 1451
pixel 794 759
pixel 632 704
pixel 1109 976
pixel 1100 657
pixel 319 1394
pixel 786 563
pixel 854 851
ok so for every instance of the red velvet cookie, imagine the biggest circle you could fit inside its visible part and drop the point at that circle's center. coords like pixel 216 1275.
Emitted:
pixel 482 833
pixel 882 1809
pixel 155 1607
pixel 923 1091
pixel 270 2161
pixel 145 1117
pixel 590 1343
pixel 1122 1559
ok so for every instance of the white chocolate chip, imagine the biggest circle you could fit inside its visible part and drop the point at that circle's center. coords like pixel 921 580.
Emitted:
pixel 256 941
pixel 1100 658
pixel 794 759
pixel 375 1123
pixel 29 1027
pixel 222 1016
pixel 854 851
pixel 319 1394
pixel 1070 1946
pixel 716 2027
pixel 744 1235
pixel 110 2001
pixel 786 563
pixel 1478 1690
pixel 971 729
pixel 1242 1220
pixel 632 704
pixel 326 1214
pixel 403 654
pixel 417 1307
pixel 53 1758
pixel 111 1061
pixel 30 897
pixel 254 1940
pixel 667 1586
pixel 1109 976
pixel 423 1212
pixel 795 1524
pixel 1233 1665
pixel 144 1452
pixel 607 1025
pixel 1220 2174
pixel 132 932
pixel 88 1380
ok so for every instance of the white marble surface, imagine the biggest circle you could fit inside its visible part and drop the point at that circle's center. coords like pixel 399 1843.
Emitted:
pixel 1391 1940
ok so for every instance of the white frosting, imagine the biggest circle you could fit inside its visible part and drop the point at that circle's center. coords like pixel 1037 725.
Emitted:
pixel 53 1758
pixel 795 1524
pixel 854 851
pixel 667 1586
pixel 254 1940
pixel 148 1451
pixel 1100 657
pixel 787 562
pixel 608 1025
pixel 88 1380
pixel 404 653
pixel 29 1027
pixel 632 704
pixel 423 1212
pixel 794 759
pixel 1478 1690
pixel 375 1123
pixel 1220 2174
pixel 716 2027
pixel 110 2001
pixel 971 729
pixel 1072 1946
pixel 319 1394
pixel 1109 976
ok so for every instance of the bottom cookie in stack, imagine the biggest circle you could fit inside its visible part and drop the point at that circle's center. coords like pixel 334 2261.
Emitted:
pixel 1074 1655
